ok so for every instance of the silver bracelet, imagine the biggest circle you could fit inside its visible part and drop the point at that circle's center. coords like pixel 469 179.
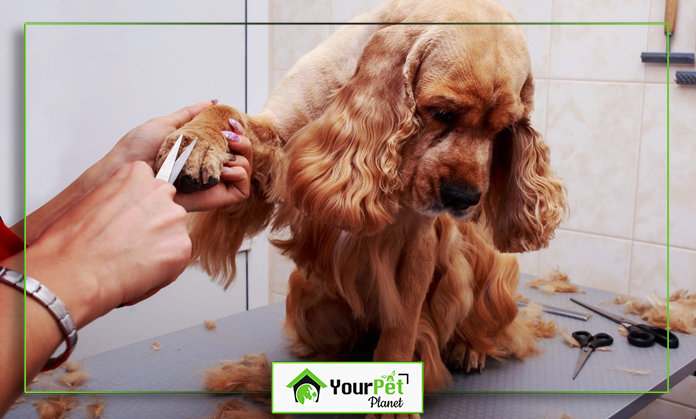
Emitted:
pixel 54 305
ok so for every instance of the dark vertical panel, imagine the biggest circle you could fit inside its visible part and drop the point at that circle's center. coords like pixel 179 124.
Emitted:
pixel 246 89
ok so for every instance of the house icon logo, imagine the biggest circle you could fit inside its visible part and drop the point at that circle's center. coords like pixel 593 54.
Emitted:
pixel 306 387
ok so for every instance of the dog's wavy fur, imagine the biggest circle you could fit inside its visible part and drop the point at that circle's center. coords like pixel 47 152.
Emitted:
pixel 341 165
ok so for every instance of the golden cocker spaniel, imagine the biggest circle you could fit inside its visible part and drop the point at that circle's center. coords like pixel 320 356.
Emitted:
pixel 401 161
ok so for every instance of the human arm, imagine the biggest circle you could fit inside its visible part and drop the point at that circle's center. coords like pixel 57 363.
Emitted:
pixel 142 144
pixel 119 244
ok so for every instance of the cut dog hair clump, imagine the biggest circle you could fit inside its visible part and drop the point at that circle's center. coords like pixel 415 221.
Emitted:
pixel 634 372
pixel 75 375
pixel 520 297
pixel 73 379
pixel 250 374
pixel 95 410
pixel 17 403
pixel 236 409
pixel 554 282
pixel 55 407
pixel 531 317
pixel 653 309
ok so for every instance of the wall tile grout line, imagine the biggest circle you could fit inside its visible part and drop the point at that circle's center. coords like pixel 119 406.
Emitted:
pixel 546 130
pixel 647 40
pixel 548 49
pixel 271 48
pixel 610 81
pixel 635 192
pixel 672 247
pixel 546 107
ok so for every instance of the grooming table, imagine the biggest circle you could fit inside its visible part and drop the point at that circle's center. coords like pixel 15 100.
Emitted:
pixel 185 354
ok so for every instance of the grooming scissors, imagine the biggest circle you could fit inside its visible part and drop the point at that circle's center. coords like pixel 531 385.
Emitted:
pixel 172 166
pixel 640 335
pixel 588 343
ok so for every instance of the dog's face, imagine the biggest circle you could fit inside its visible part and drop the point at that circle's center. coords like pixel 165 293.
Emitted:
pixel 437 120
pixel 446 166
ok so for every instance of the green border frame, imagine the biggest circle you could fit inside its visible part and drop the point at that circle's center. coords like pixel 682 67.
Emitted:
pixel 26 391
pixel 306 363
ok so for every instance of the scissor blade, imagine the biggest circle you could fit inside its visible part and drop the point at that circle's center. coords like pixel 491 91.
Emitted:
pixel 611 316
pixel 559 311
pixel 585 352
pixel 181 161
pixel 166 170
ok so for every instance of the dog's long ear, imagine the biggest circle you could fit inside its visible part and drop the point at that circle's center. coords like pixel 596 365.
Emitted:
pixel 526 201
pixel 343 167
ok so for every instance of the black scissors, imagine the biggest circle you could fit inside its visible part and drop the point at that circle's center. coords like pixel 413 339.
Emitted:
pixel 588 343
pixel 640 335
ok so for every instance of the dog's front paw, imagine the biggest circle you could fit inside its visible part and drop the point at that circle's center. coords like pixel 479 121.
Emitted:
pixel 202 169
pixel 460 356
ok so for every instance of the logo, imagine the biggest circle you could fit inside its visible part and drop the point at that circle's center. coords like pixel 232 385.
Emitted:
pixel 347 387
pixel 306 387
pixel 387 388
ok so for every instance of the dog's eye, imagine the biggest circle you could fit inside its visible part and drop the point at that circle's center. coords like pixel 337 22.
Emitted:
pixel 444 116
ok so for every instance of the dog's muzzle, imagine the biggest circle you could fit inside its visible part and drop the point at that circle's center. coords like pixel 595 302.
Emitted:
pixel 457 199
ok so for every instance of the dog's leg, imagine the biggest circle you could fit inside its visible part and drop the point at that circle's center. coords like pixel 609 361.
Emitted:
pixel 492 326
pixel 413 278
pixel 316 324
pixel 218 234
pixel 435 374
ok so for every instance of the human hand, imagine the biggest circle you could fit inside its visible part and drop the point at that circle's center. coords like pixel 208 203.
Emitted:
pixel 143 142
pixel 235 176
pixel 119 244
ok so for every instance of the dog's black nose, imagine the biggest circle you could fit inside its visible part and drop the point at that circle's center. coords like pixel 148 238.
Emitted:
pixel 457 197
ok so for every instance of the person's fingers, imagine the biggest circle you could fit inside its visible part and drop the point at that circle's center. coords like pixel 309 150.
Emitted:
pixel 233 174
pixel 184 115
pixel 234 187
pixel 239 145
pixel 239 161
pixel 237 127
pixel 219 195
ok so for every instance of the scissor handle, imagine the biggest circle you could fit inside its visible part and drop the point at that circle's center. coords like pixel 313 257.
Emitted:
pixel 583 337
pixel 638 336
pixel 658 334
pixel 601 339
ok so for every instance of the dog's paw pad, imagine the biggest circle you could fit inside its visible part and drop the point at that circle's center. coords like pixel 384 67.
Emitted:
pixel 202 169
pixel 188 184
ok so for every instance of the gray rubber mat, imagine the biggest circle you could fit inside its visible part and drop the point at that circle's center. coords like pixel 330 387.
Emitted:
pixel 185 354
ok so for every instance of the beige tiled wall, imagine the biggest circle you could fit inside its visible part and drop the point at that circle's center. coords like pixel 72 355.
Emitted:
pixel 604 114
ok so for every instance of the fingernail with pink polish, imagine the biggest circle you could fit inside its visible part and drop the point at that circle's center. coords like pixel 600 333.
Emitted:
pixel 234 123
pixel 230 135
pixel 215 101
